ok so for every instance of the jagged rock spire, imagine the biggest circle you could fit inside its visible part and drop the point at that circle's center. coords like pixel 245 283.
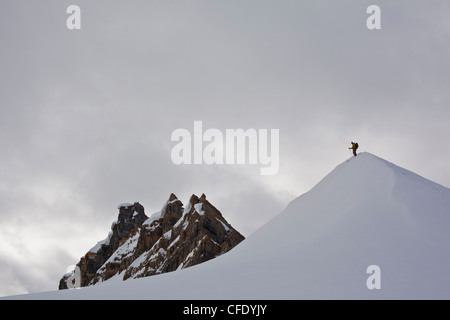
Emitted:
pixel 172 239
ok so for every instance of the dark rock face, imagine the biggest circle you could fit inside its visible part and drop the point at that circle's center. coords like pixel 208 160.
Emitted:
pixel 131 216
pixel 200 234
pixel 175 238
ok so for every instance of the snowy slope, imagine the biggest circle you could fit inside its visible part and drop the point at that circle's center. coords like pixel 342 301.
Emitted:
pixel 365 212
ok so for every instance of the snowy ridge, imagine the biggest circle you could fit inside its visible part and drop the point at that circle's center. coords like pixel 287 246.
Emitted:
pixel 366 212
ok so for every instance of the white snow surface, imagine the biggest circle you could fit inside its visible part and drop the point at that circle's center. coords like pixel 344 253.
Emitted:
pixel 152 218
pixel 365 212
pixel 99 244
pixel 199 208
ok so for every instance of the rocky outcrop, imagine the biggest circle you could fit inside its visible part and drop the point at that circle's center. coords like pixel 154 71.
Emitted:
pixel 172 239
pixel 200 234
pixel 130 218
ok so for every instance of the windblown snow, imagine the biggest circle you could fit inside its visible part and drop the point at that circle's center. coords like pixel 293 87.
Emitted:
pixel 366 212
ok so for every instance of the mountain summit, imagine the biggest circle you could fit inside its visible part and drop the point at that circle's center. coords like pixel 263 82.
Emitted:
pixel 368 221
pixel 174 238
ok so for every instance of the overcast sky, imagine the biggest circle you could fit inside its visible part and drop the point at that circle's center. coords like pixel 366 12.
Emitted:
pixel 86 115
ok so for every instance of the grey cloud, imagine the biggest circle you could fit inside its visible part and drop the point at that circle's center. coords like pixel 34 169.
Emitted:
pixel 86 116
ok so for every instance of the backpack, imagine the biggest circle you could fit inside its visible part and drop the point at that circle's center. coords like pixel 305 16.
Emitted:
pixel 356 145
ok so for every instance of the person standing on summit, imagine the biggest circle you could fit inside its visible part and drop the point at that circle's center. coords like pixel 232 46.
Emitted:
pixel 354 147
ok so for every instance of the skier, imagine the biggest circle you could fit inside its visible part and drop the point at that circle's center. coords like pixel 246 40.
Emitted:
pixel 354 147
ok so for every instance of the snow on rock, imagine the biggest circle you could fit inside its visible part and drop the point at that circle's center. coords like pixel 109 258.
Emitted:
pixel 108 257
pixel 183 237
pixel 139 246
pixel 198 208
pixel 99 244
pixel 124 205
pixel 224 225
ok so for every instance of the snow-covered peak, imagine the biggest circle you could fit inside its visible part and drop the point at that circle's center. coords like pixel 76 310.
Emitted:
pixel 366 213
